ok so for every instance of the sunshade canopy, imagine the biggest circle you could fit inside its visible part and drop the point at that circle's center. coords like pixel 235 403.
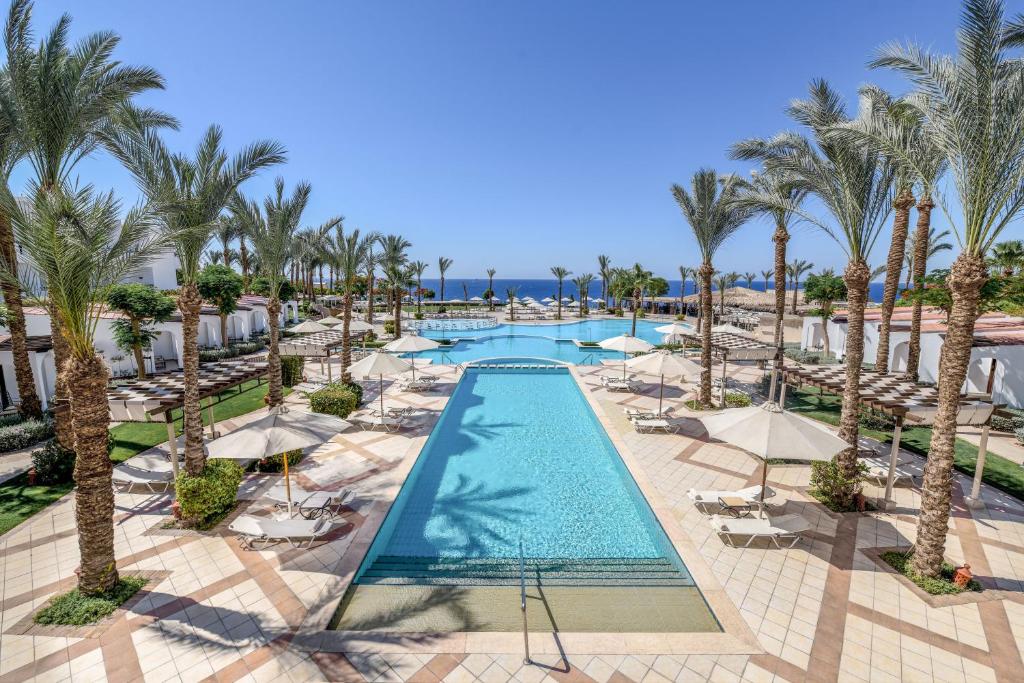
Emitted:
pixel 411 344
pixel 277 433
pixel 674 329
pixel 355 325
pixel 730 329
pixel 663 363
pixel 308 326
pixel 626 344
pixel 768 432
pixel 380 364
pixel 329 320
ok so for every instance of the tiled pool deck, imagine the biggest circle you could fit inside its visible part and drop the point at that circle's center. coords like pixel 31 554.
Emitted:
pixel 822 611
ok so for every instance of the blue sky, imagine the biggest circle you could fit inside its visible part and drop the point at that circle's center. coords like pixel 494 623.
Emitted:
pixel 515 135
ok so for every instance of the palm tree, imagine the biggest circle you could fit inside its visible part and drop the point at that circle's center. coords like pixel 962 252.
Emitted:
pixel 443 264
pixel 1007 257
pixel 684 272
pixel 714 215
pixel 893 127
pixel 271 231
pixel 418 268
pixel 490 288
pixel 189 195
pixel 77 249
pixel 797 269
pixel 583 283
pixel 767 275
pixel 852 182
pixel 371 260
pixel 352 251
pixel 972 108
pixel 749 277
pixel 61 103
pixel 604 271
pixel 395 264
pixel 936 243
pixel 511 294
pixel 560 274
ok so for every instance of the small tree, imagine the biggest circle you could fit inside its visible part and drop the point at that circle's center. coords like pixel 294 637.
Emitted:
pixel 145 307
pixel 285 290
pixel 221 286
pixel 824 289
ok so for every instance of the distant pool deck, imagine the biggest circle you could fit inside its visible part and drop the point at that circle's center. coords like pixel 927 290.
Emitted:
pixel 824 610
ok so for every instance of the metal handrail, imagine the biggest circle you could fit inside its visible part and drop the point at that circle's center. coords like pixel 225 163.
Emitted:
pixel 522 601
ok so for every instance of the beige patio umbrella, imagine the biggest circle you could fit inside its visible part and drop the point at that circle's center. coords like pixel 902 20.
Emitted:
pixel 731 329
pixel 308 326
pixel 380 364
pixel 674 329
pixel 766 431
pixel 329 321
pixel 626 343
pixel 662 363
pixel 411 344
pixel 279 432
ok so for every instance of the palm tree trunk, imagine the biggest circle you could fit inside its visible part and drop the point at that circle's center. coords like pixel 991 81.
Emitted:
pixel 893 267
pixel 140 361
pixel 636 307
pixel 966 278
pixel 796 290
pixel 705 341
pixel 781 237
pixel 190 303
pixel 346 338
pixel 398 313
pixel 61 404
pixel 29 405
pixel 824 335
pixel 856 276
pixel 560 306
pixel 94 494
pixel 924 219
pixel 243 256
pixel 276 396
pixel 369 297
pixel 223 331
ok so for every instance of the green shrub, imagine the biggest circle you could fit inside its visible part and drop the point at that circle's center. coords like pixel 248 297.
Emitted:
pixel 357 391
pixel 74 609
pixel 805 357
pixel 641 314
pixel 334 399
pixel 206 497
pixel 618 312
pixel 940 585
pixel 275 463
pixel 23 434
pixel 53 463
pixel 291 370
pixel 1019 433
pixel 829 483
pixel 680 316
pixel 418 315
pixel 736 399
pixel 11 419
pixel 1007 424
pixel 871 419
pixel 389 326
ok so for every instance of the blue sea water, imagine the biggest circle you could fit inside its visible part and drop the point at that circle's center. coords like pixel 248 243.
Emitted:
pixel 520 455
pixel 541 288
pixel 539 341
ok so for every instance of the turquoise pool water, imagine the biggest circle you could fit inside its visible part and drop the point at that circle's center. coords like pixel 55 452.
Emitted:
pixel 519 454
pixel 539 341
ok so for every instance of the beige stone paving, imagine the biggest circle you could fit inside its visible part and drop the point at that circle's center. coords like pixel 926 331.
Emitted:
pixel 219 611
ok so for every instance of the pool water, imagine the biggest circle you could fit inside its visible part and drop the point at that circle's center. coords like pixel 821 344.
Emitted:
pixel 539 341
pixel 519 456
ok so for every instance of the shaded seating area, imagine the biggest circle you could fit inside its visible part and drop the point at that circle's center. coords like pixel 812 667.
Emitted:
pixel 319 345
pixel 730 346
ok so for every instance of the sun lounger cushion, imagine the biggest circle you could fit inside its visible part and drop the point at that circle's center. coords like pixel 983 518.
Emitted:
pixel 750 493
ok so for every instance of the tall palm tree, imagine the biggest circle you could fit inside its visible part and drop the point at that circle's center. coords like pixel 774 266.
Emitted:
pixel 560 274
pixel 972 108
pixel 271 231
pixel 395 265
pixel 604 271
pixel 684 272
pixel 766 275
pixel 63 102
pixel 798 267
pixel 852 182
pixel 78 249
pixel 511 294
pixel 490 288
pixel 418 268
pixel 893 127
pixel 1007 257
pixel 443 264
pixel 714 215
pixel 749 277
pixel 352 250
pixel 583 283
pixel 189 195
pixel 371 259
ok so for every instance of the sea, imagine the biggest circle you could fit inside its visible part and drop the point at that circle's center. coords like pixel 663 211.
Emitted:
pixel 540 288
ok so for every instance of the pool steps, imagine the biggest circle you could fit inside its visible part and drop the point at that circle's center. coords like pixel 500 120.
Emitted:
pixel 432 571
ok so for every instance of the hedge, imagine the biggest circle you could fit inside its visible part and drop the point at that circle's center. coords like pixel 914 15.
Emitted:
pixel 233 351
pixel 291 370
pixel 53 464
pixel 206 496
pixel 334 399
pixel 24 434
pixel 275 463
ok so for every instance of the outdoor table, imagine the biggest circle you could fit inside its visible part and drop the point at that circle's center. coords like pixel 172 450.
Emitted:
pixel 736 506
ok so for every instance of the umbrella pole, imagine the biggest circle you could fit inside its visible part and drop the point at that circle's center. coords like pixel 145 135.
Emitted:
pixel 623 365
pixel 382 395
pixel 661 395
pixel 413 362
pixel 287 485
pixel 764 484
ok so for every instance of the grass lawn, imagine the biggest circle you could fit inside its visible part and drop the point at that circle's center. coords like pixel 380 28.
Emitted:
pixel 19 501
pixel 999 472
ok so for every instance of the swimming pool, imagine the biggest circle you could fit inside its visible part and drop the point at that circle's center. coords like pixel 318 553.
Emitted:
pixel 518 456
pixel 539 341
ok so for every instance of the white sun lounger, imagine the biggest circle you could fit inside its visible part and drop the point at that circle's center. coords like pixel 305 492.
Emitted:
pixel 258 533
pixel 751 494
pixel 126 477
pixel 646 426
pixel 783 531
pixel 620 384
pixel 370 422
pixel 312 504
pixel 416 385
pixel 644 414
pixel 879 475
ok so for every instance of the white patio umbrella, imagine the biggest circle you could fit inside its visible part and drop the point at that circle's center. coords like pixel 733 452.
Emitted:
pixel 476 298
pixel 308 326
pixel 662 363
pixel 380 364
pixel 355 325
pixel 731 329
pixel 766 431
pixel 411 344
pixel 329 320
pixel 547 300
pixel 626 343
pixel 674 329
pixel 597 300
pixel 279 432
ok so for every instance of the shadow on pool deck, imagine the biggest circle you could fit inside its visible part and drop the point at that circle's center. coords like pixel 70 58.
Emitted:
pixel 578 609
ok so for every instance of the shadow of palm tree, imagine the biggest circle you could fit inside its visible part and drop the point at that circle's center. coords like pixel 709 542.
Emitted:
pixel 450 599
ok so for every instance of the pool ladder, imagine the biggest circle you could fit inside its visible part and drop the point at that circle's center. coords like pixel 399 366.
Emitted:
pixel 522 602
